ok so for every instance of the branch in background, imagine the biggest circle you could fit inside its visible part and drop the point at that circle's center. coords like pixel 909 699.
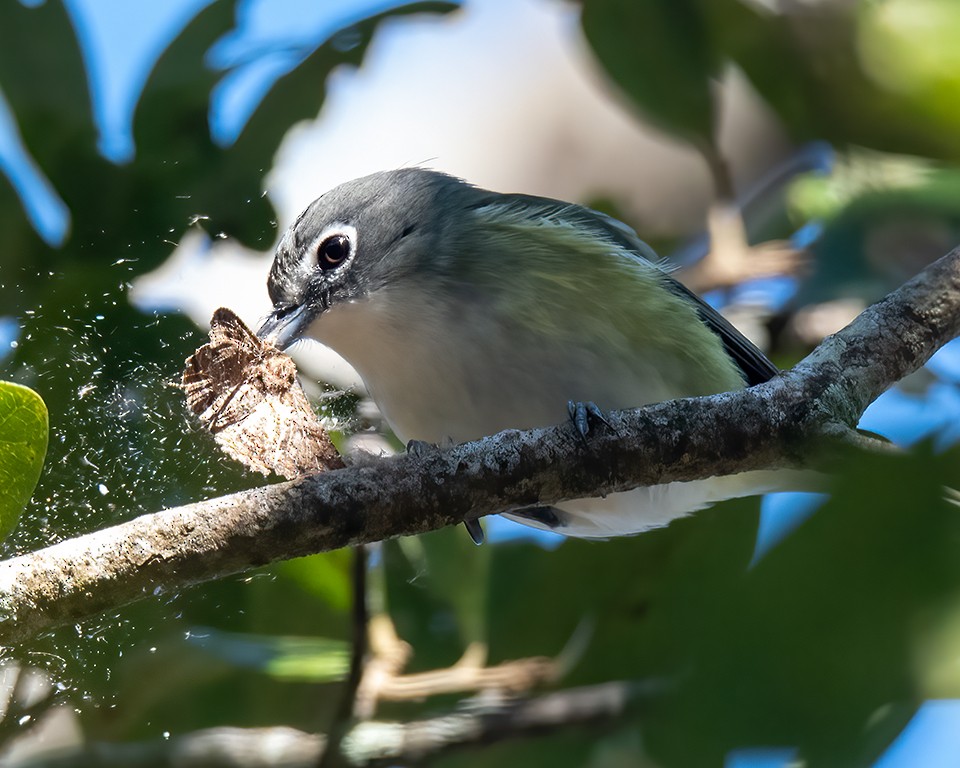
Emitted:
pixel 725 258
pixel 784 422
pixel 371 742
pixel 275 747
pixel 383 678
pixel 511 676
pixel 385 743
pixel 389 656
pixel 731 259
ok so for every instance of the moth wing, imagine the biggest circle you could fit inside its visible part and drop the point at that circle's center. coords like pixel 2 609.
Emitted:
pixel 281 435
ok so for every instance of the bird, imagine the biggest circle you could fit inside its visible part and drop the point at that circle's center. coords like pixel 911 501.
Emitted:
pixel 467 312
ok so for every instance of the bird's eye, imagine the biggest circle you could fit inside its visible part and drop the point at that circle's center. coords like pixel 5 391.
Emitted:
pixel 332 251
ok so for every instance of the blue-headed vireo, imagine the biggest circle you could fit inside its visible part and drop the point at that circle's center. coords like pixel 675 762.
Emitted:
pixel 467 312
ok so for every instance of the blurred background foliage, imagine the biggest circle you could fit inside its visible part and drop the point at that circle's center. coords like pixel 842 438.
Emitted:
pixel 824 645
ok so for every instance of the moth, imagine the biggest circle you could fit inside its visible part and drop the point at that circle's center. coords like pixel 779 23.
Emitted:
pixel 246 394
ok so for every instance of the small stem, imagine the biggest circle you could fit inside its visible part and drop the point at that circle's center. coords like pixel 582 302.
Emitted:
pixel 343 718
pixel 723 186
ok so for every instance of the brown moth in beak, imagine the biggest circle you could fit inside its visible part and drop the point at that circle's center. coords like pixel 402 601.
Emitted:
pixel 246 393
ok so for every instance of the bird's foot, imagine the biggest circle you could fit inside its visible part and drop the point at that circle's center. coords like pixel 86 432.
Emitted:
pixel 475 530
pixel 582 413
pixel 420 447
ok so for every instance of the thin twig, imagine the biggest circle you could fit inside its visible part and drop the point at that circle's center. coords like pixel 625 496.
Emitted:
pixel 331 756
pixel 510 676
pixel 389 656
pixel 383 678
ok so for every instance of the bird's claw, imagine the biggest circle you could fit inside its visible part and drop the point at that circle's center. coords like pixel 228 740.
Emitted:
pixel 475 530
pixel 419 447
pixel 582 412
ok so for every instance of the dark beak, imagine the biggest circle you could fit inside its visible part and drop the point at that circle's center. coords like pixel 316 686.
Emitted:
pixel 285 325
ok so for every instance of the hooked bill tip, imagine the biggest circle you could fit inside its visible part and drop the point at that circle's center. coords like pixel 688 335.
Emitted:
pixel 283 326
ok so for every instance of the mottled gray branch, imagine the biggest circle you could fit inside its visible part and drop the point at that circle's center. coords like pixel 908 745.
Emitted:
pixel 377 743
pixel 784 422
pixel 368 743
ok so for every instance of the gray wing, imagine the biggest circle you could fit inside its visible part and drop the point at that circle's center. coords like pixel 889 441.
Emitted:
pixel 756 366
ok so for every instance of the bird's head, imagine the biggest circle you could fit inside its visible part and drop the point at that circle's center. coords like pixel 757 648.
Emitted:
pixel 357 239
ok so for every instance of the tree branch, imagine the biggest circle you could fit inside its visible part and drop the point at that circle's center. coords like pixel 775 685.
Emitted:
pixel 781 423
pixel 371 742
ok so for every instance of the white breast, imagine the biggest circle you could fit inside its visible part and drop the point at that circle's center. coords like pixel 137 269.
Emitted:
pixel 442 377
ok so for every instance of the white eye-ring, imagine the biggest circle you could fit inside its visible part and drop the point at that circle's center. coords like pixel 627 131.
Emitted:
pixel 335 246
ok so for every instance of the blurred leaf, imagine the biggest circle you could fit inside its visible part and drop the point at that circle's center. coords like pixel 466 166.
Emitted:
pixel 834 71
pixel 23 445
pixel 445 576
pixel 307 659
pixel 458 572
pixel 825 644
pixel 909 47
pixel 325 576
pixel 541 597
pixel 883 217
pixel 828 643
pixel 879 74
pixel 202 677
pixel 660 53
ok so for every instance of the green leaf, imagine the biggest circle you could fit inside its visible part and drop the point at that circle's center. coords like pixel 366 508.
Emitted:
pixel 832 640
pixel 302 659
pixel 884 218
pixel 910 47
pixel 457 573
pixel 661 54
pixel 443 575
pixel 23 444
pixel 324 576
pixel 876 74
